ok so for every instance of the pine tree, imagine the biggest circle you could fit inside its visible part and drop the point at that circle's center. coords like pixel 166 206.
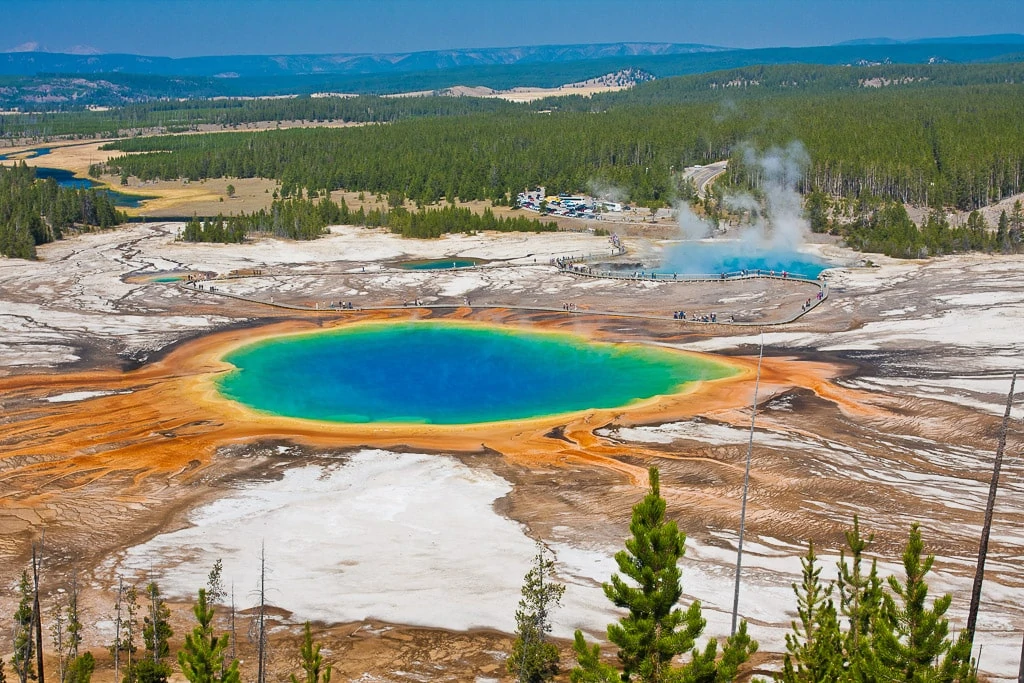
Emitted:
pixel 312 660
pixel 590 668
pixel 655 630
pixel 813 650
pixel 58 631
pixel 80 669
pixel 533 659
pixel 708 667
pixel 74 624
pixel 124 641
pixel 910 639
pixel 215 592
pixel 147 671
pixel 156 630
pixel 1003 231
pixel 66 629
pixel 23 660
pixel 201 658
pixel 860 599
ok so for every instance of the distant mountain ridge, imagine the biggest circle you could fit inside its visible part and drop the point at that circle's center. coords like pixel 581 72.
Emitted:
pixel 28 63
pixel 993 39
pixel 57 86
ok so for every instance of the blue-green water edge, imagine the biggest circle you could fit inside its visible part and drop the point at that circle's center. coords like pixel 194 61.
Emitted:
pixel 65 178
pixel 443 373
pixel 440 264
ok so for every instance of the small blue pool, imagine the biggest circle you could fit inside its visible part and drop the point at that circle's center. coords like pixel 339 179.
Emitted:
pixel 440 264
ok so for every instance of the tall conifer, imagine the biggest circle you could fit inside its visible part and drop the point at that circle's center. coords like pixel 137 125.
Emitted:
pixel 656 631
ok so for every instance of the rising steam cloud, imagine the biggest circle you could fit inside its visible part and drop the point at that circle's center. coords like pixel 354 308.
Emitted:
pixel 692 226
pixel 606 191
pixel 775 224
pixel 780 170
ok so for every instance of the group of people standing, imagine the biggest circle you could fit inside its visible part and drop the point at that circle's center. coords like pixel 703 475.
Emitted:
pixel 706 318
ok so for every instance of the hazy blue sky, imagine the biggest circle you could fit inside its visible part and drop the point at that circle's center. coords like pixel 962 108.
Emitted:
pixel 180 28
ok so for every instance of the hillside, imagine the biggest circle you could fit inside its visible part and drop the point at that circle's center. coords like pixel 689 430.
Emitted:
pixel 255 66
pixel 46 82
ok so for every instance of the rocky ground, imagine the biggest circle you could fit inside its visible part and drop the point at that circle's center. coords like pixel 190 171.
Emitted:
pixel 409 559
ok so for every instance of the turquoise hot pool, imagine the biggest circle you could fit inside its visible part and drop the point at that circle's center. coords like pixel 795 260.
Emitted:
pixel 730 256
pixel 440 264
pixel 450 373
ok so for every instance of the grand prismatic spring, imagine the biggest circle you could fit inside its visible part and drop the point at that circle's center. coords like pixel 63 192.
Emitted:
pixel 450 374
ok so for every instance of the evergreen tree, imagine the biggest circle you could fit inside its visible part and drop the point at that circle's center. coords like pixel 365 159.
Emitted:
pixel 533 659
pixel 80 669
pixel 156 630
pixel 58 631
pixel 23 660
pixel 146 670
pixel 1003 231
pixel 3 674
pixel 66 629
pixel 816 210
pixel 202 656
pixel 34 212
pixel 124 641
pixel 813 650
pixel 860 599
pixel 74 623
pixel 910 639
pixel 656 630
pixel 708 667
pixel 590 668
pixel 312 660
pixel 215 592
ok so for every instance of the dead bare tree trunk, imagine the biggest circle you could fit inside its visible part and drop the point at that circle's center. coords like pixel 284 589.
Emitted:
pixel 36 563
pixel 986 529
pixel 233 656
pixel 154 613
pixel 746 485
pixel 117 631
pixel 261 623
pixel 1020 675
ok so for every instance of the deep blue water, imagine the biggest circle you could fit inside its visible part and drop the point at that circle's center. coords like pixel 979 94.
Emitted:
pixel 444 373
pixel 728 256
pixel 28 154
pixel 66 178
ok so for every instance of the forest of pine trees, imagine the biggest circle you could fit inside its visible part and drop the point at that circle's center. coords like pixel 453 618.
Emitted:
pixel 178 114
pixel 36 212
pixel 305 219
pixel 940 146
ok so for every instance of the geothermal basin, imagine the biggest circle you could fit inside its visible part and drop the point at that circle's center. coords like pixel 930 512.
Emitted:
pixel 451 373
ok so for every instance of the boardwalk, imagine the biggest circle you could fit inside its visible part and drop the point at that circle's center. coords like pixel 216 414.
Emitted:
pixel 572 267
